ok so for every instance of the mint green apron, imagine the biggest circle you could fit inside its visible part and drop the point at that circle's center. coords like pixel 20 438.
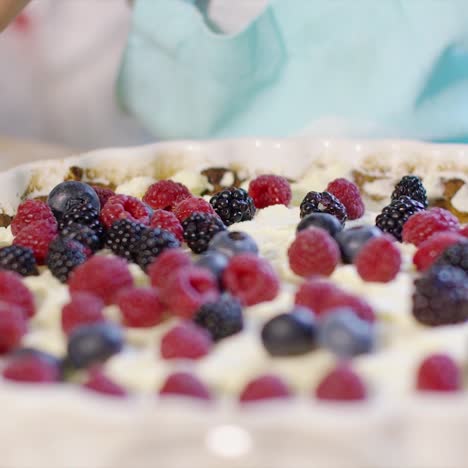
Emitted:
pixel 397 67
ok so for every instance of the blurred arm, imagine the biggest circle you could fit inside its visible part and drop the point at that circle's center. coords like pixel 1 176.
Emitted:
pixel 9 9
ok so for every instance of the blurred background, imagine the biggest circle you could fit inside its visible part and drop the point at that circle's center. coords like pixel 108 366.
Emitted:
pixel 60 60
pixel 388 69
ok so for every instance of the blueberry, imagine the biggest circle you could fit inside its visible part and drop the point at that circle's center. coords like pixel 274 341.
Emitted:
pixel 69 194
pixel 352 240
pixel 89 344
pixel 36 352
pixel 290 334
pixel 214 261
pixel 231 243
pixel 345 334
pixel 321 220
pixel 45 357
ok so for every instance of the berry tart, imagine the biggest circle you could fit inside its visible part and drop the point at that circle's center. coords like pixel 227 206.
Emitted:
pixel 310 296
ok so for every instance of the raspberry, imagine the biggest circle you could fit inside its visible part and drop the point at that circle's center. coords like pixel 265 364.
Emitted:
pixel 412 187
pixel 37 236
pixel 394 216
pixel 431 249
pixel 349 195
pixel 186 341
pixel 14 292
pixel 199 229
pixel 456 255
pixel 313 252
pixel 82 234
pixel 18 259
pixel 325 202
pixel 125 207
pixel 192 205
pixel 165 194
pixel 441 296
pixel 321 297
pixel 185 384
pixel 233 205
pixel 167 263
pixel 31 368
pixel 222 318
pixel 464 231
pixel 102 276
pixel 64 256
pixel 423 225
pixel 122 237
pixel 341 384
pixel 152 243
pixel 12 326
pixel 103 194
pixel 168 221
pixel 379 260
pixel 265 387
pixel 187 289
pixel 251 279
pixel 140 307
pixel 84 308
pixel 315 293
pixel 267 190
pixel 30 212
pixel 98 382
pixel 439 373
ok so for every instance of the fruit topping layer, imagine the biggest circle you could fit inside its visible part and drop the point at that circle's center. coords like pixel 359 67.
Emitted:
pixel 250 290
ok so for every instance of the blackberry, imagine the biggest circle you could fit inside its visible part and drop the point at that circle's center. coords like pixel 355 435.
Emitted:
pixel 395 215
pixel 233 205
pixel 18 259
pixel 82 234
pixel 85 214
pixel 151 243
pixel 441 296
pixel 64 256
pixel 199 229
pixel 122 236
pixel 222 318
pixel 412 187
pixel 456 255
pixel 323 202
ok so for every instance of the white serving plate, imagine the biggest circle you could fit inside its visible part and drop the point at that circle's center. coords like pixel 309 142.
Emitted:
pixel 61 426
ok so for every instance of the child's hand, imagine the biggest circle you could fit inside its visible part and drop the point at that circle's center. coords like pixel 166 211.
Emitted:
pixel 9 9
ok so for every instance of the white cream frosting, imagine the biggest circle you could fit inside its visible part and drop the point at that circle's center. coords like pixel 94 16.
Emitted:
pixel 135 187
pixel 460 200
pixel 6 236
